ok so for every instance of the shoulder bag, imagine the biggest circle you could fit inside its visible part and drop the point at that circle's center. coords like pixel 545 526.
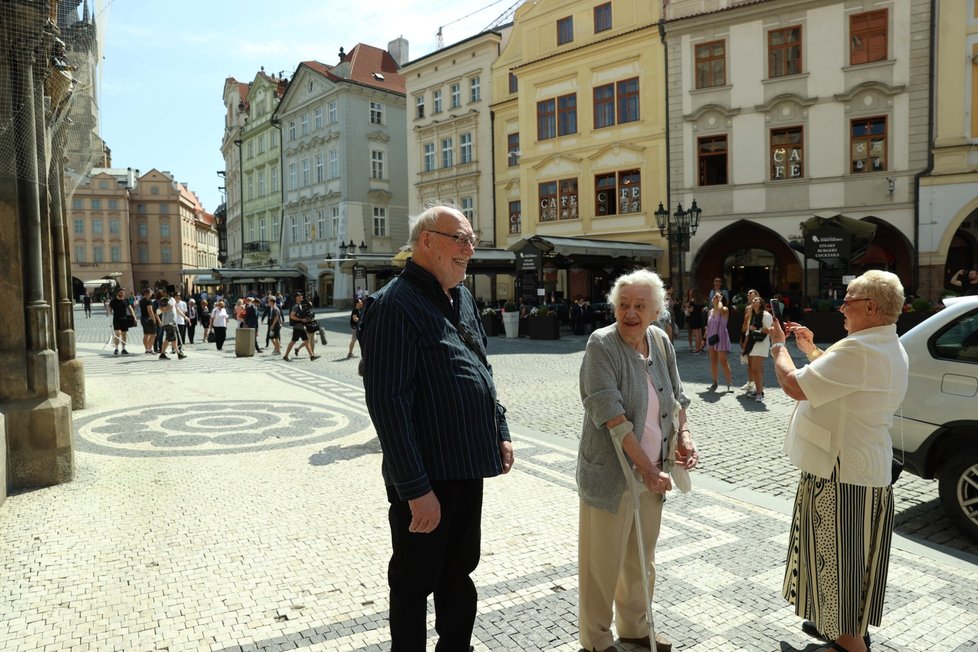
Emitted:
pixel 680 476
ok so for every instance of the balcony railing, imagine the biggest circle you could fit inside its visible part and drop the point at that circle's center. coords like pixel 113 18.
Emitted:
pixel 258 247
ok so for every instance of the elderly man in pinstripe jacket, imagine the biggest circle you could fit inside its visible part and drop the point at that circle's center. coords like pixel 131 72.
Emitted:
pixel 431 396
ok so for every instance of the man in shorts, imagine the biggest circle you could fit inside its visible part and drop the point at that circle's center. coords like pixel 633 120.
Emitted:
pixel 168 308
pixel 298 317
pixel 148 320
pixel 121 311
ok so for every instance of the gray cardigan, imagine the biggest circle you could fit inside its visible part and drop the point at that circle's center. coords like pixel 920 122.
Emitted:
pixel 613 383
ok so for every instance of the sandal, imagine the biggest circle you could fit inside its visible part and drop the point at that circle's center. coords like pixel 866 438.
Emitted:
pixel 809 628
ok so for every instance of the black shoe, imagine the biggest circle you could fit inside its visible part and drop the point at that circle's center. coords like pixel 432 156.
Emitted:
pixel 124 352
pixel 809 628
pixel 116 352
pixel 181 355
pixel 164 356
pixel 314 357
pixel 287 358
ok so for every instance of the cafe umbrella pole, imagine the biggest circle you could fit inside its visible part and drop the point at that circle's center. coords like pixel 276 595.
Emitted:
pixel 636 488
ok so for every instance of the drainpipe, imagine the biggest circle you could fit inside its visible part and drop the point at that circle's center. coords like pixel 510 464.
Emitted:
pixel 665 69
pixel 915 270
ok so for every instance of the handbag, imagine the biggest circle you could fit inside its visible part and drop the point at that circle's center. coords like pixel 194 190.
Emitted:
pixel 758 336
pixel 312 326
pixel 713 339
pixel 680 475
pixel 211 337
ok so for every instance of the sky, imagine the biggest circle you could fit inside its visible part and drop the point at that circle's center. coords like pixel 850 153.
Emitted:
pixel 165 63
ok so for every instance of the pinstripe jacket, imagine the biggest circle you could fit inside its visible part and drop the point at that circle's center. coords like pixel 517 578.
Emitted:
pixel 431 397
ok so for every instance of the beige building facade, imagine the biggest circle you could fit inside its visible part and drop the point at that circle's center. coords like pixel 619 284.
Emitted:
pixel 449 137
pixel 235 114
pixel 580 145
pixel 788 109
pixel 949 192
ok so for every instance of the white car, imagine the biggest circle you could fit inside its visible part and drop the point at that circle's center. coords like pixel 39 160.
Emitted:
pixel 938 432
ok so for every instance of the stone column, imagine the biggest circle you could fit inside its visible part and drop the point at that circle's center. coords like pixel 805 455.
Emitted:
pixel 37 415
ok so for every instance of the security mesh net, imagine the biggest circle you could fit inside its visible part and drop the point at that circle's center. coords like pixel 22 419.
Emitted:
pixel 49 81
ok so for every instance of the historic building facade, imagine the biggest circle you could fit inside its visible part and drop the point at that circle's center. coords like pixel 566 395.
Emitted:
pixel 449 139
pixel 235 114
pixel 344 184
pixel 580 145
pixel 262 173
pixel 784 110
pixel 948 215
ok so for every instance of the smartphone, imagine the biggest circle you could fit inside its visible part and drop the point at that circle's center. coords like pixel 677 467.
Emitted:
pixel 777 309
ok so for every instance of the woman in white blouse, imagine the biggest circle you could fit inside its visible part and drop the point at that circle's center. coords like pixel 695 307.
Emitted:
pixel 839 548
pixel 219 324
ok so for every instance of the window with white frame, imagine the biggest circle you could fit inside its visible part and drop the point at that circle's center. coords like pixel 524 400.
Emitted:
pixel 291 130
pixel 115 254
pixel 273 173
pixel 376 164
pixel 321 225
pixel 293 178
pixel 305 171
pixel 475 91
pixel 165 230
pixel 447 152
pixel 306 227
pixel 304 124
pixel 251 149
pixel 332 114
pixel 261 144
pixel 261 183
pixel 114 227
pixel 320 168
pixel 465 148
pixel 251 231
pixel 376 113
pixel 79 227
pixel 261 229
pixel 317 114
pixel 429 157
pixel 294 224
pixel 333 160
pixel 274 139
pixel 468 208
pixel 436 101
pixel 334 219
pixel 380 222
pixel 419 107
pixel 274 230
pixel 456 93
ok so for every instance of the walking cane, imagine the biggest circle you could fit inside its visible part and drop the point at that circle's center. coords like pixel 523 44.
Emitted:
pixel 636 488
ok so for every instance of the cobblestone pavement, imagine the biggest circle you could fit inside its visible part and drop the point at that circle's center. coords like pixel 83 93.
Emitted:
pixel 225 503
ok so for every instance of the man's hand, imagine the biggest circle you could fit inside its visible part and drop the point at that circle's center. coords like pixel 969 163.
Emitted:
pixel 658 482
pixel 425 513
pixel 506 455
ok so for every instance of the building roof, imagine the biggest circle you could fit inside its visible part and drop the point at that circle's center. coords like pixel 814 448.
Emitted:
pixel 364 65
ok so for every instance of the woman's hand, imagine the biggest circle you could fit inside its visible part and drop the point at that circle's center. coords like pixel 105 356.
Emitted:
pixel 658 482
pixel 775 333
pixel 686 454
pixel 804 337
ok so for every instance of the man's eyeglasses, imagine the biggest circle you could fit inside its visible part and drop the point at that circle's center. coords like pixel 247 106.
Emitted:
pixel 459 238
pixel 846 302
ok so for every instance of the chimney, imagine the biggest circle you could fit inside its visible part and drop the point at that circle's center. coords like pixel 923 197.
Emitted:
pixel 398 48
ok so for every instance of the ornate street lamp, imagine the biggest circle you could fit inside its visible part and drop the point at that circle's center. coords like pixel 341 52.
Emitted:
pixel 679 230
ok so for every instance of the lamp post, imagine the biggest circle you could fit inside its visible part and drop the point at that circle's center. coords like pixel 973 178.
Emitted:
pixel 679 228
pixel 350 251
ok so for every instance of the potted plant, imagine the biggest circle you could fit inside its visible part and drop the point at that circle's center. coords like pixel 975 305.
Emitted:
pixel 491 322
pixel 511 320
pixel 544 324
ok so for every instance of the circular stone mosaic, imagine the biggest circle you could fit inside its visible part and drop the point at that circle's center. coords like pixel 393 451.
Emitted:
pixel 213 428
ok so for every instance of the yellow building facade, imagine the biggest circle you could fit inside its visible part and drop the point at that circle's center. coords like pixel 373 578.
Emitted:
pixel 579 134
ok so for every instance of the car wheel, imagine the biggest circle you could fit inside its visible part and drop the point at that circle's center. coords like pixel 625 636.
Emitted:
pixel 959 492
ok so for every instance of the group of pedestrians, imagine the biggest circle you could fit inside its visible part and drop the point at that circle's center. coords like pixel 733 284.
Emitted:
pixel 431 394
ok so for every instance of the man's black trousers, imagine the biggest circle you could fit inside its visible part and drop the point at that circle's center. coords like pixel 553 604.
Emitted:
pixel 438 562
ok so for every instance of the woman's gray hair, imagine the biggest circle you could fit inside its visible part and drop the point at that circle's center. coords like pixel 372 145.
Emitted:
pixel 882 287
pixel 640 277
pixel 425 221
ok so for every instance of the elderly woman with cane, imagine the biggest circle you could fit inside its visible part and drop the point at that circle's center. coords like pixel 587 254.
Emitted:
pixel 839 437
pixel 634 403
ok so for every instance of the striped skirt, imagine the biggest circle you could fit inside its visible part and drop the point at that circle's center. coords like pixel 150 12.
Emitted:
pixel 838 554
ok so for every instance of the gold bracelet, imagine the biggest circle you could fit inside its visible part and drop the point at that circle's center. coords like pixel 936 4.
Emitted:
pixel 813 354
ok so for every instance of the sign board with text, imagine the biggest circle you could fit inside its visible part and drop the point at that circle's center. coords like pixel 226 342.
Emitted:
pixel 828 242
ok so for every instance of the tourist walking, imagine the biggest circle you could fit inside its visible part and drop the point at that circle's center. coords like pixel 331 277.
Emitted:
pixel 219 324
